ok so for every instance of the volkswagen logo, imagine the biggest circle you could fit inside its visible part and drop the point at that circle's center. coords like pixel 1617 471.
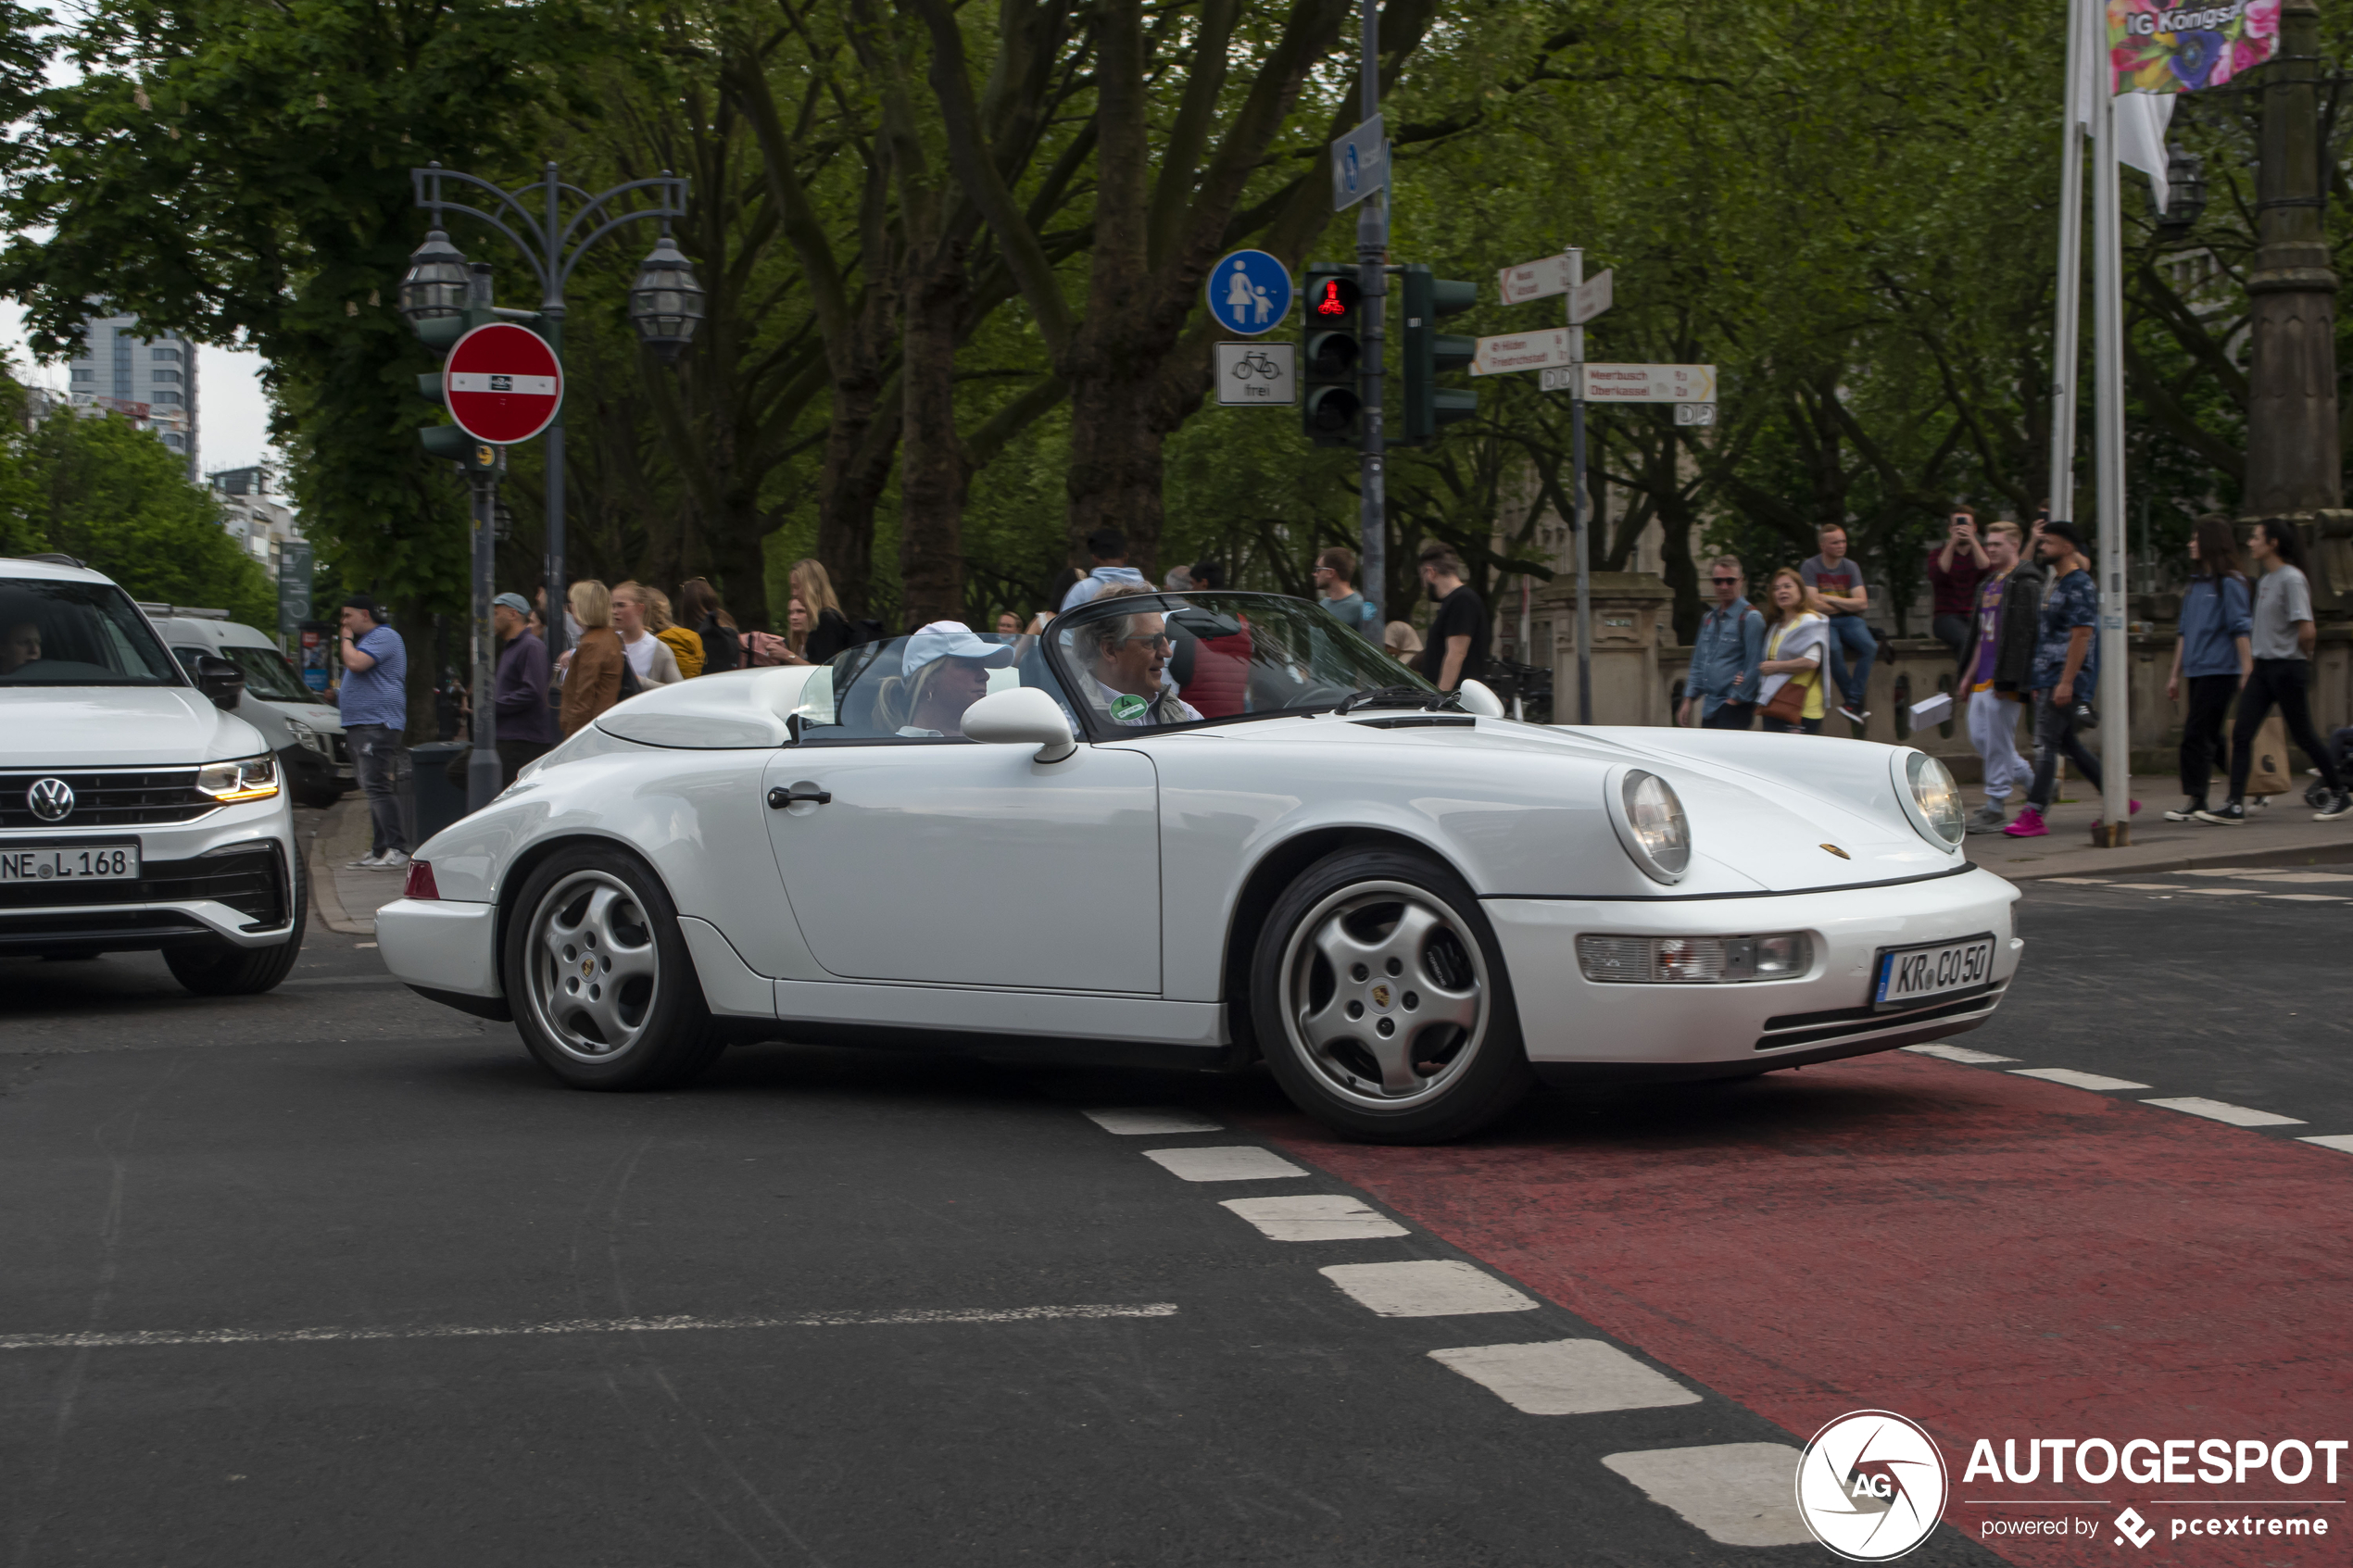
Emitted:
pixel 51 799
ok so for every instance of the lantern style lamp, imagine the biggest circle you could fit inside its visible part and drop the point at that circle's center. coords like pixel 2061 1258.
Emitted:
pixel 435 285
pixel 2185 204
pixel 666 301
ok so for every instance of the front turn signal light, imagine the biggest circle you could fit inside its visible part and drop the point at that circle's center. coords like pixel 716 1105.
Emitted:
pixel 249 778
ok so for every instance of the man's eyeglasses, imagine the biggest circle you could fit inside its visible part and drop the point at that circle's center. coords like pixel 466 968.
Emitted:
pixel 1725 581
pixel 1153 637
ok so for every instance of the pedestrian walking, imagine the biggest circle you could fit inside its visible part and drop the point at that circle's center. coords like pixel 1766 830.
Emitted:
pixel 2282 640
pixel 1108 547
pixel 685 646
pixel 825 630
pixel 2066 673
pixel 1996 671
pixel 374 708
pixel 2213 655
pixel 1457 647
pixel 595 664
pixel 1954 573
pixel 1335 578
pixel 523 729
pixel 1797 647
pixel 649 657
pixel 1722 691
pixel 698 606
pixel 1836 581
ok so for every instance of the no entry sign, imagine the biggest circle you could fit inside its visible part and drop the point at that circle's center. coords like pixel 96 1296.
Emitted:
pixel 503 384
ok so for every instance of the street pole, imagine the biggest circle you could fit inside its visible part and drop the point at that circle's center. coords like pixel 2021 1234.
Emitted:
pixel 2064 352
pixel 553 246
pixel 1372 286
pixel 1577 494
pixel 2107 420
pixel 482 766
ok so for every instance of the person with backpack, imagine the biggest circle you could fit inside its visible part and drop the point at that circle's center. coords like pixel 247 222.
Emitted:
pixel 597 668
pixel 1336 581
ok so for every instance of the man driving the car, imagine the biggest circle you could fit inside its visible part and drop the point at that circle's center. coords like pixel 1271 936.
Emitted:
pixel 20 647
pixel 1128 656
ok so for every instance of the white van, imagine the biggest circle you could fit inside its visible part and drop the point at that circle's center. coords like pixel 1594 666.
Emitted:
pixel 305 733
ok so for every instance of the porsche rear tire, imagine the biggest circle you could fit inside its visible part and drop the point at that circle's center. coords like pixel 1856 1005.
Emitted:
pixel 1380 1001
pixel 599 977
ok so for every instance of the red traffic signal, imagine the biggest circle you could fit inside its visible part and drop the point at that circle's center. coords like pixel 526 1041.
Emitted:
pixel 1334 297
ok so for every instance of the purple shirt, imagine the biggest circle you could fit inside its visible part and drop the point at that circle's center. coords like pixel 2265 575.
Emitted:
pixel 1989 627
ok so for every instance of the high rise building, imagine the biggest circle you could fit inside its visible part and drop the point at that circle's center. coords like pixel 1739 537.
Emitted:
pixel 150 380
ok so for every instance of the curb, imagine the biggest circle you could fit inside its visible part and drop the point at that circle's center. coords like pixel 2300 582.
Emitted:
pixel 325 902
pixel 2290 855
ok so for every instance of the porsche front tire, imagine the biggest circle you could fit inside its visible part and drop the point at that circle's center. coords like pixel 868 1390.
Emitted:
pixel 1380 1001
pixel 599 977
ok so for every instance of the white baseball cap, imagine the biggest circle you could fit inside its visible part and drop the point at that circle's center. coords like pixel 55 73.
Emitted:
pixel 951 639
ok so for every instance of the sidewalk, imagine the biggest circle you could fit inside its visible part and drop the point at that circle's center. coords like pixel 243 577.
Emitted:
pixel 2281 833
pixel 348 900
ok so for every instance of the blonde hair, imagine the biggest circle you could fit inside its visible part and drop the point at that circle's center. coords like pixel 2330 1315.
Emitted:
pixel 653 601
pixel 591 603
pixel 2005 526
pixel 1806 598
pixel 814 588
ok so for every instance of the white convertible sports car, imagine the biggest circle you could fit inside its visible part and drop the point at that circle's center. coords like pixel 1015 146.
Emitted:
pixel 1198 831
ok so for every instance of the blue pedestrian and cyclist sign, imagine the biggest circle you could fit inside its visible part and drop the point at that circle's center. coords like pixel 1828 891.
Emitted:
pixel 1248 292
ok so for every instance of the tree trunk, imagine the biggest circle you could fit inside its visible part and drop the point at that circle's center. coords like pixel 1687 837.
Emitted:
pixel 932 474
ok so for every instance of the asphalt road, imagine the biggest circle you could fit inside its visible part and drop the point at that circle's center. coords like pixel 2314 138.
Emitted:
pixel 336 1275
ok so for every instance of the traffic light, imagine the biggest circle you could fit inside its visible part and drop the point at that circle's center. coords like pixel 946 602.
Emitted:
pixel 1429 353
pixel 1330 408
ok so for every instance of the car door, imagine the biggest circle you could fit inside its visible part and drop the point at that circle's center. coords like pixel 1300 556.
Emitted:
pixel 949 862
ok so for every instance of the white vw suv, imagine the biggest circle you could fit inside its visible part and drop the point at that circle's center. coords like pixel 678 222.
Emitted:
pixel 137 811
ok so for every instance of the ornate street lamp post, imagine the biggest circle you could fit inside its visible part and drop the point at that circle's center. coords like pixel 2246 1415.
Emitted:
pixel 665 303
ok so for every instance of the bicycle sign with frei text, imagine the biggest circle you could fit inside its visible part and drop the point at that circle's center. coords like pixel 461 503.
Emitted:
pixel 1261 374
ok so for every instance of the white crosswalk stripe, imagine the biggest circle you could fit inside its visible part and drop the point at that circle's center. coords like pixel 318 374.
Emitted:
pixel 1242 1162
pixel 1314 1217
pixel 1426 1288
pixel 1566 1377
pixel 1741 1494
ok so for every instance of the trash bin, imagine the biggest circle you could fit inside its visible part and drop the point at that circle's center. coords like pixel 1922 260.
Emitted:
pixel 439 802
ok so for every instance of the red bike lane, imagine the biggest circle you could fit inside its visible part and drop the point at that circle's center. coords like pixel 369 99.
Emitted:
pixel 1995 1256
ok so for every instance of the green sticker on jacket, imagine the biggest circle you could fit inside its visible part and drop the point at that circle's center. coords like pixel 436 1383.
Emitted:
pixel 1127 707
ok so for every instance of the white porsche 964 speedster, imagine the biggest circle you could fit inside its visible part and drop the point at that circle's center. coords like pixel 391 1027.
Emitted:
pixel 1198 831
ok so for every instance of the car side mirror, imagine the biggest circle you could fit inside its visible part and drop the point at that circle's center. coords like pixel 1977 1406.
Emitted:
pixel 220 680
pixel 1022 716
pixel 1481 699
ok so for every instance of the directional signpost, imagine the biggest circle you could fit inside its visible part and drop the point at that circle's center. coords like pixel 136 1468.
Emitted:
pixel 503 384
pixel 1647 383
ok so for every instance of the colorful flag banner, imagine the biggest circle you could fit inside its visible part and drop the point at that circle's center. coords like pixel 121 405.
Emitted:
pixel 2156 46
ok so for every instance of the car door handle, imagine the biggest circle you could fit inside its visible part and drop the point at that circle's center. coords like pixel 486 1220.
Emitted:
pixel 780 798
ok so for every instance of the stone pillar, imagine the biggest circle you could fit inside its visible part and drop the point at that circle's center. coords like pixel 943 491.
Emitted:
pixel 2293 461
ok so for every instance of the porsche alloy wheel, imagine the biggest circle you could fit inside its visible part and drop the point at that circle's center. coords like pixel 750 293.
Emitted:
pixel 607 994
pixel 1380 1002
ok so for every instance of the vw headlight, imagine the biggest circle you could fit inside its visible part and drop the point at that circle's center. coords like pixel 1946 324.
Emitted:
pixel 305 737
pixel 249 778
pixel 1933 800
pixel 1651 823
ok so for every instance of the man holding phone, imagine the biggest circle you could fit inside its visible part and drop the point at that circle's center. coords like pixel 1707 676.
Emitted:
pixel 1954 573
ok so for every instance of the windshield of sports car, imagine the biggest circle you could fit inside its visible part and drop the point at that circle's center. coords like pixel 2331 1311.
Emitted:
pixel 1148 661
pixel 62 634
pixel 916 688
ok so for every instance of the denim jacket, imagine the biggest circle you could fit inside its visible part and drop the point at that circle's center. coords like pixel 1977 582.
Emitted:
pixel 2212 620
pixel 1731 643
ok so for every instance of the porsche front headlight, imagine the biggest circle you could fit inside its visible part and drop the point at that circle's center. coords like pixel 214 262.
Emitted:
pixel 249 778
pixel 1650 824
pixel 1933 800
